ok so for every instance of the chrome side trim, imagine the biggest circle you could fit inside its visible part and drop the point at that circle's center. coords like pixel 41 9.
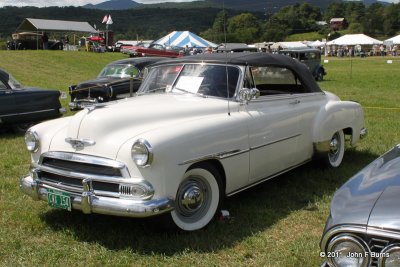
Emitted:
pixel 234 152
pixel 25 113
pixel 220 155
pixel 265 179
pixel 274 142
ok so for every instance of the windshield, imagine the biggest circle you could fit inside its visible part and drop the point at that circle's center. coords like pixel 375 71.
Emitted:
pixel 119 71
pixel 204 79
pixel 14 84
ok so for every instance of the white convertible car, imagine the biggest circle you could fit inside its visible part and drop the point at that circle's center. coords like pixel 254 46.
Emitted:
pixel 200 128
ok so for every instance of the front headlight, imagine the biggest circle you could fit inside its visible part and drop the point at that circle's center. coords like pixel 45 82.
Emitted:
pixel 348 250
pixel 31 141
pixel 142 153
pixel 390 256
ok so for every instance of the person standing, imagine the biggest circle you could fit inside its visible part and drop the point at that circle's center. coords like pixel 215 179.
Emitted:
pixel 45 41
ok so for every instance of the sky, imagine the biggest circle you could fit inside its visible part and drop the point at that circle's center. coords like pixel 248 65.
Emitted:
pixel 46 3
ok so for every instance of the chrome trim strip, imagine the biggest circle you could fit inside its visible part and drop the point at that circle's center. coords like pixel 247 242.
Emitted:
pixel 274 97
pixel 234 152
pixel 25 113
pixel 78 175
pixel 265 179
pixel 374 231
pixel 90 203
pixel 81 158
pixel 274 142
pixel 220 155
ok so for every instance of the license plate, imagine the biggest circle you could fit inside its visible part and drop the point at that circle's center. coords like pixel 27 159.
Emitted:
pixel 59 199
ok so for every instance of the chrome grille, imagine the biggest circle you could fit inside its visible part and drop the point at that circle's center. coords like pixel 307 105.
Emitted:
pixel 377 244
pixel 91 169
pixel 66 171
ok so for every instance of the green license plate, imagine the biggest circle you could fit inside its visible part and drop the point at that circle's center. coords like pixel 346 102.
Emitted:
pixel 59 199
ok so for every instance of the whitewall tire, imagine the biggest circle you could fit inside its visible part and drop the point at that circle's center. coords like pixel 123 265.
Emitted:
pixel 198 198
pixel 336 151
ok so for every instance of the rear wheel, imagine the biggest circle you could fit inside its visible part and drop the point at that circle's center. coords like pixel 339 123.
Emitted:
pixel 198 198
pixel 336 151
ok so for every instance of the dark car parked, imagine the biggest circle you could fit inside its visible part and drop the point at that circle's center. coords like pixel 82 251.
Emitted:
pixel 112 83
pixel 21 106
pixel 363 228
pixel 310 57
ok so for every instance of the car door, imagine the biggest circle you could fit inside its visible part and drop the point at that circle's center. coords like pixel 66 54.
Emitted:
pixel 7 103
pixel 274 122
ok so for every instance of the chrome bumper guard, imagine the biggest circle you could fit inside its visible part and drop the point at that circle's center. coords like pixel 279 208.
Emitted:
pixel 82 103
pixel 88 202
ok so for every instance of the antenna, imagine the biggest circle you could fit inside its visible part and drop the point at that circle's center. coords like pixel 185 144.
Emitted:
pixel 226 59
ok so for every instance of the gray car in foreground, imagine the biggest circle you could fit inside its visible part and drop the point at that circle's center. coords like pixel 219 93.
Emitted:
pixel 363 228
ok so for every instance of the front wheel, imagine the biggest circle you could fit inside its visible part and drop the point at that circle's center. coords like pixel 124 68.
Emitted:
pixel 336 151
pixel 198 198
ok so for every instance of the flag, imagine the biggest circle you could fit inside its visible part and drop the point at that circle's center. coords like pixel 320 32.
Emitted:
pixel 105 19
pixel 109 21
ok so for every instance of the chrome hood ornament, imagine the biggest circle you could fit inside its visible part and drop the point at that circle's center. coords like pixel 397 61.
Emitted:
pixel 79 143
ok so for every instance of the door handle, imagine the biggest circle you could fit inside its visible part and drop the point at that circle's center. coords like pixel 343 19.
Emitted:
pixel 295 102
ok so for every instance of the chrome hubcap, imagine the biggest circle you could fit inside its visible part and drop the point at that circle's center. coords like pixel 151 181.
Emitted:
pixel 192 198
pixel 334 145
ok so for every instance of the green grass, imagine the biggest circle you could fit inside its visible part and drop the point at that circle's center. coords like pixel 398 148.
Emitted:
pixel 278 223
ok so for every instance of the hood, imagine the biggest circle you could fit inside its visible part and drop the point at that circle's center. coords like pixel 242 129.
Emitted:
pixel 371 196
pixel 98 82
pixel 35 90
pixel 111 125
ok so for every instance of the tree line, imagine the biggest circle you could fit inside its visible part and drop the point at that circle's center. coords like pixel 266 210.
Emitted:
pixel 219 25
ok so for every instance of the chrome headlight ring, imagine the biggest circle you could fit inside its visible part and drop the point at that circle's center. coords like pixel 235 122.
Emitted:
pixel 142 153
pixel 349 249
pixel 31 140
pixel 390 256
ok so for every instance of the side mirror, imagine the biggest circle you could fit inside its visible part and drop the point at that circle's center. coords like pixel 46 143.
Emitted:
pixel 248 94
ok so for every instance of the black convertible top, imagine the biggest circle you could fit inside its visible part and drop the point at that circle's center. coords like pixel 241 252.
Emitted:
pixel 139 62
pixel 258 59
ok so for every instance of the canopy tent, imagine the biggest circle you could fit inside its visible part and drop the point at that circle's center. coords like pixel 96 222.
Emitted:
pixel 183 39
pixel 317 43
pixel 354 39
pixel 393 40
pixel 288 45
pixel 36 25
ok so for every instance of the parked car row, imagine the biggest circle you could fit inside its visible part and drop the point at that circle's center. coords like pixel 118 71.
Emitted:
pixel 200 128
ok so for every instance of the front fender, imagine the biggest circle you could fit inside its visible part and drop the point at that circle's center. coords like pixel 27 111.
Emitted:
pixel 338 115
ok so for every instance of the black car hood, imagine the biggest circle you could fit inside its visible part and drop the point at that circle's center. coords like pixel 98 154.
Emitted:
pixel 99 82
pixel 372 196
pixel 36 90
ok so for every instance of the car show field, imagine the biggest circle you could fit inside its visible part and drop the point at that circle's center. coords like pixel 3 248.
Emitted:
pixel 277 223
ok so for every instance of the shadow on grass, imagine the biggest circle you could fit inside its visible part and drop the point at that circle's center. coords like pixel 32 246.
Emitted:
pixel 254 210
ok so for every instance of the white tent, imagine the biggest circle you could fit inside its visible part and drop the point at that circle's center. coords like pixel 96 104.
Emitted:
pixel 354 39
pixel 289 45
pixel 393 40
pixel 317 43
pixel 183 39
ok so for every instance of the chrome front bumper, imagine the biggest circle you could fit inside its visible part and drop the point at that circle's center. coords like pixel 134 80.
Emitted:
pixel 88 202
